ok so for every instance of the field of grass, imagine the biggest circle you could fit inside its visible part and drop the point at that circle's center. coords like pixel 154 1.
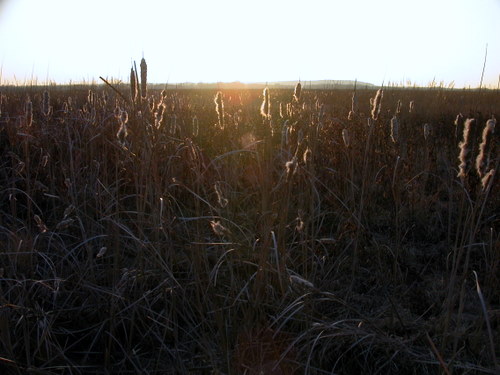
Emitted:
pixel 242 232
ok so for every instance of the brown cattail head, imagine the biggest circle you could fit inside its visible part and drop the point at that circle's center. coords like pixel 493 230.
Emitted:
pixel 144 78
pixel 297 92
pixel 46 110
pixel 29 113
pixel 219 108
pixel 465 148
pixel 376 104
pixel 265 108
pixel 133 86
pixel 482 158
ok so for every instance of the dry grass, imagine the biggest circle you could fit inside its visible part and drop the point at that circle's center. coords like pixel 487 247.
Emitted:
pixel 299 232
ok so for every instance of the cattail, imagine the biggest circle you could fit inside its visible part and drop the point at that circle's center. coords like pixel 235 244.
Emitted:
pixel 459 123
pixel 487 179
pixel 394 129
pixel 411 107
pixel 29 113
pixel 133 85
pixel 46 110
pixel 465 148
pixel 427 131
pixel 144 78
pixel 265 108
pixel 297 92
pixel 307 157
pixel 220 198
pixel 219 108
pixel 482 157
pixel 122 132
pixel 159 121
pixel 376 104
pixel 398 107
pixel 346 138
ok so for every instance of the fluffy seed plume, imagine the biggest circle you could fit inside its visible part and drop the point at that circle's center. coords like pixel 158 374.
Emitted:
pixel 144 78
pixel 297 92
pixel 376 104
pixel 122 132
pixel 394 129
pixel 465 149
pixel 487 178
pixel 482 157
pixel 219 108
pixel 265 108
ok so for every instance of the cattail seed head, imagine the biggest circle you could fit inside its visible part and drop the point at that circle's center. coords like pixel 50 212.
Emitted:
pixel 465 148
pixel 265 108
pixel 487 179
pixel 307 157
pixel 297 92
pixel 394 129
pixel 219 108
pixel 482 158
pixel 376 104
pixel 133 86
pixel 144 78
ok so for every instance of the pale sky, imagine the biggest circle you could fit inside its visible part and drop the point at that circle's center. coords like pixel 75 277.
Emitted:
pixel 251 40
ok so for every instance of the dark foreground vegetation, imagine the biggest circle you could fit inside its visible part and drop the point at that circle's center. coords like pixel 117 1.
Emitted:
pixel 287 232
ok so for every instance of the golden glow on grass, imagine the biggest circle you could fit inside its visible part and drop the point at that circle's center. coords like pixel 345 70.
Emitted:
pixel 229 40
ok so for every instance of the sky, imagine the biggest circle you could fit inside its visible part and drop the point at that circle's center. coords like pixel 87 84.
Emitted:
pixel 397 41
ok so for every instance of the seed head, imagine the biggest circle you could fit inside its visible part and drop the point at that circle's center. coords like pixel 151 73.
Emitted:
pixel 219 108
pixel 297 92
pixel 265 108
pixel 482 157
pixel 144 78
pixel 465 149
pixel 376 104
pixel 346 138
pixel 394 129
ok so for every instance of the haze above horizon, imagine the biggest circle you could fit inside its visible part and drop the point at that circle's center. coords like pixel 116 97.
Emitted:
pixel 260 41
